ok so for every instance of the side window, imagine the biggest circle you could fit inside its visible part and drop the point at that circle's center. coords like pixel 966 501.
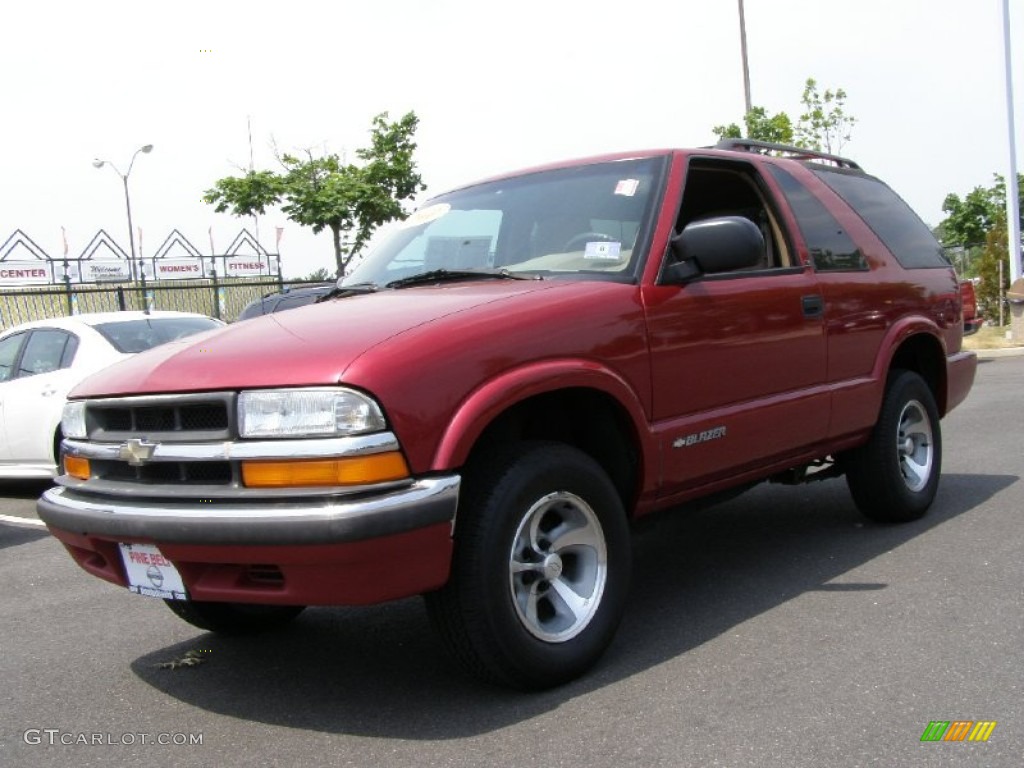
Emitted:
pixel 43 352
pixel 832 250
pixel 904 234
pixel 733 189
pixel 9 354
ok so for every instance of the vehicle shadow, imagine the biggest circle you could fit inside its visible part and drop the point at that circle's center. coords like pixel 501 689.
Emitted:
pixel 380 671
pixel 25 489
pixel 15 534
pixel 12 535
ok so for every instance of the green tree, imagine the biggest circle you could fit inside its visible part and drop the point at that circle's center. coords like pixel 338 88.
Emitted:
pixel 777 129
pixel 990 289
pixel 324 192
pixel 972 217
pixel 824 125
pixel 318 276
pixel 978 222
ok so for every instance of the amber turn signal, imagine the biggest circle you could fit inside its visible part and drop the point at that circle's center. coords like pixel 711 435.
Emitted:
pixel 360 470
pixel 76 467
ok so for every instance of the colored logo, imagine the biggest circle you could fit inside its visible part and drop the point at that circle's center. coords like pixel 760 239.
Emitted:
pixel 958 730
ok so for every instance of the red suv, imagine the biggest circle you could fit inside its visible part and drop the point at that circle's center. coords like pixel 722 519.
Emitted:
pixel 527 365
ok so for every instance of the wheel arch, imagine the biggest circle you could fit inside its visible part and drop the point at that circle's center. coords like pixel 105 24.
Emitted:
pixel 923 354
pixel 589 408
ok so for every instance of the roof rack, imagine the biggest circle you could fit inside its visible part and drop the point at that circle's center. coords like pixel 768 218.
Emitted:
pixel 796 153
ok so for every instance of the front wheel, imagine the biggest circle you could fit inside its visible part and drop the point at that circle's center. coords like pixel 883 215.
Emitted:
pixel 894 476
pixel 541 567
pixel 233 618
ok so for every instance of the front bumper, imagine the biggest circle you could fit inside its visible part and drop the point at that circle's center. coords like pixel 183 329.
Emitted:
pixel 312 551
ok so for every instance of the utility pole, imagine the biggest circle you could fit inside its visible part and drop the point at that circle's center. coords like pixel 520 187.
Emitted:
pixel 746 65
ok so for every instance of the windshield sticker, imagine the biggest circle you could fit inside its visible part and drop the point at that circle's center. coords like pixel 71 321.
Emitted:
pixel 426 215
pixel 627 187
pixel 602 251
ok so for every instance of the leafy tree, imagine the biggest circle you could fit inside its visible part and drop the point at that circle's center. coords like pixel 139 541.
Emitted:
pixel 824 126
pixel 777 129
pixel 318 276
pixel 324 192
pixel 978 222
pixel 990 290
pixel 972 217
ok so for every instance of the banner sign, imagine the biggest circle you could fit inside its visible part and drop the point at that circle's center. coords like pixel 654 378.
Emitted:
pixel 24 272
pixel 246 266
pixel 107 270
pixel 173 269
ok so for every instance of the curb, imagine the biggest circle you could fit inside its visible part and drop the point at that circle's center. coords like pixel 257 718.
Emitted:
pixel 990 354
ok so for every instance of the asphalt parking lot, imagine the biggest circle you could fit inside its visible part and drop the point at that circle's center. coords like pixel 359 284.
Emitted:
pixel 779 629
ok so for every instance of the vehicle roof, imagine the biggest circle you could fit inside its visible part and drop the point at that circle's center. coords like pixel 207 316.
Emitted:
pixel 734 148
pixel 90 319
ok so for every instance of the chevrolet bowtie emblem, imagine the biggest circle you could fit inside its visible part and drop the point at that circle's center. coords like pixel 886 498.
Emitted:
pixel 136 452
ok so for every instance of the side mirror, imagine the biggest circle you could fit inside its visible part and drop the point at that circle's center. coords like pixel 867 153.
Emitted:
pixel 721 244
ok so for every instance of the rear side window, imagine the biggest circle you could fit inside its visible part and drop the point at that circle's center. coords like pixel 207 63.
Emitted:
pixel 904 234
pixel 45 351
pixel 832 250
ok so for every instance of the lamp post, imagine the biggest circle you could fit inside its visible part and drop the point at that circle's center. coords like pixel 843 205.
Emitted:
pixel 97 163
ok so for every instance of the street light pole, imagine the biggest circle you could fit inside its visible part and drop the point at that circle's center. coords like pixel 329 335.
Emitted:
pixel 97 163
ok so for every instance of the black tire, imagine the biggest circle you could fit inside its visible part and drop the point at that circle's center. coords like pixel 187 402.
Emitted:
pixel 541 567
pixel 894 476
pixel 234 618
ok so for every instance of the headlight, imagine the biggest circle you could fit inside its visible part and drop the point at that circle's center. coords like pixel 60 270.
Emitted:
pixel 307 413
pixel 72 420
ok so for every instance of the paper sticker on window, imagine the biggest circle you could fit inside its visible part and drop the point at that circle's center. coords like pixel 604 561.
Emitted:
pixel 602 251
pixel 627 187
pixel 426 215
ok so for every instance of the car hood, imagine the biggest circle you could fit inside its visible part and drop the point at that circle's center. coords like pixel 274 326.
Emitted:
pixel 312 345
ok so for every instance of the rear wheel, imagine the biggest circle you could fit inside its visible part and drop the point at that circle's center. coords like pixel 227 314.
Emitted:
pixel 541 567
pixel 233 618
pixel 894 477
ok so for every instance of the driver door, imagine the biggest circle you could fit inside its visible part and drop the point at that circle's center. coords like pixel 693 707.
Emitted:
pixel 738 359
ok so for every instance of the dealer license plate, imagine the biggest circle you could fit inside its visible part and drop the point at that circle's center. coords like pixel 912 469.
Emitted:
pixel 150 573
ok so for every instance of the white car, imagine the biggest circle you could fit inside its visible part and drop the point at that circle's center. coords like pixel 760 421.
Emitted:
pixel 41 361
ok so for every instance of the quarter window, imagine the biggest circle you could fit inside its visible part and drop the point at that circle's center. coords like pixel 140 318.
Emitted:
pixel 904 234
pixel 9 354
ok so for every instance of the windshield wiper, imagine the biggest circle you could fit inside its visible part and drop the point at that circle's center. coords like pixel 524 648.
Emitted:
pixel 444 275
pixel 348 290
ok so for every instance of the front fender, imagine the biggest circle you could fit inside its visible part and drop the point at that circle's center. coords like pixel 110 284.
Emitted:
pixel 485 403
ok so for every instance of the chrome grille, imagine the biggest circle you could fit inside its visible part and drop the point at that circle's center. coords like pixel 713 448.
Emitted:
pixel 174 418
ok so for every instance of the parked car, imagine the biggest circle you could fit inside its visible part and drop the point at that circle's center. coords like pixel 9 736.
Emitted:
pixel 973 319
pixel 523 368
pixel 287 298
pixel 41 361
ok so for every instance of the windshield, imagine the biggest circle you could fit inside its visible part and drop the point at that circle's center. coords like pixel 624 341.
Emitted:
pixel 581 221
pixel 140 335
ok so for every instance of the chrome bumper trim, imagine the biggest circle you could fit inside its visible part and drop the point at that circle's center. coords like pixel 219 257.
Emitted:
pixel 326 520
pixel 236 450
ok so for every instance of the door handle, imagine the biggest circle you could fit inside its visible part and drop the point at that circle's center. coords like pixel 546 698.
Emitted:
pixel 813 305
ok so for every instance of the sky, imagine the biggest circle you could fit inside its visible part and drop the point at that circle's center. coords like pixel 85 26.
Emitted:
pixel 497 86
